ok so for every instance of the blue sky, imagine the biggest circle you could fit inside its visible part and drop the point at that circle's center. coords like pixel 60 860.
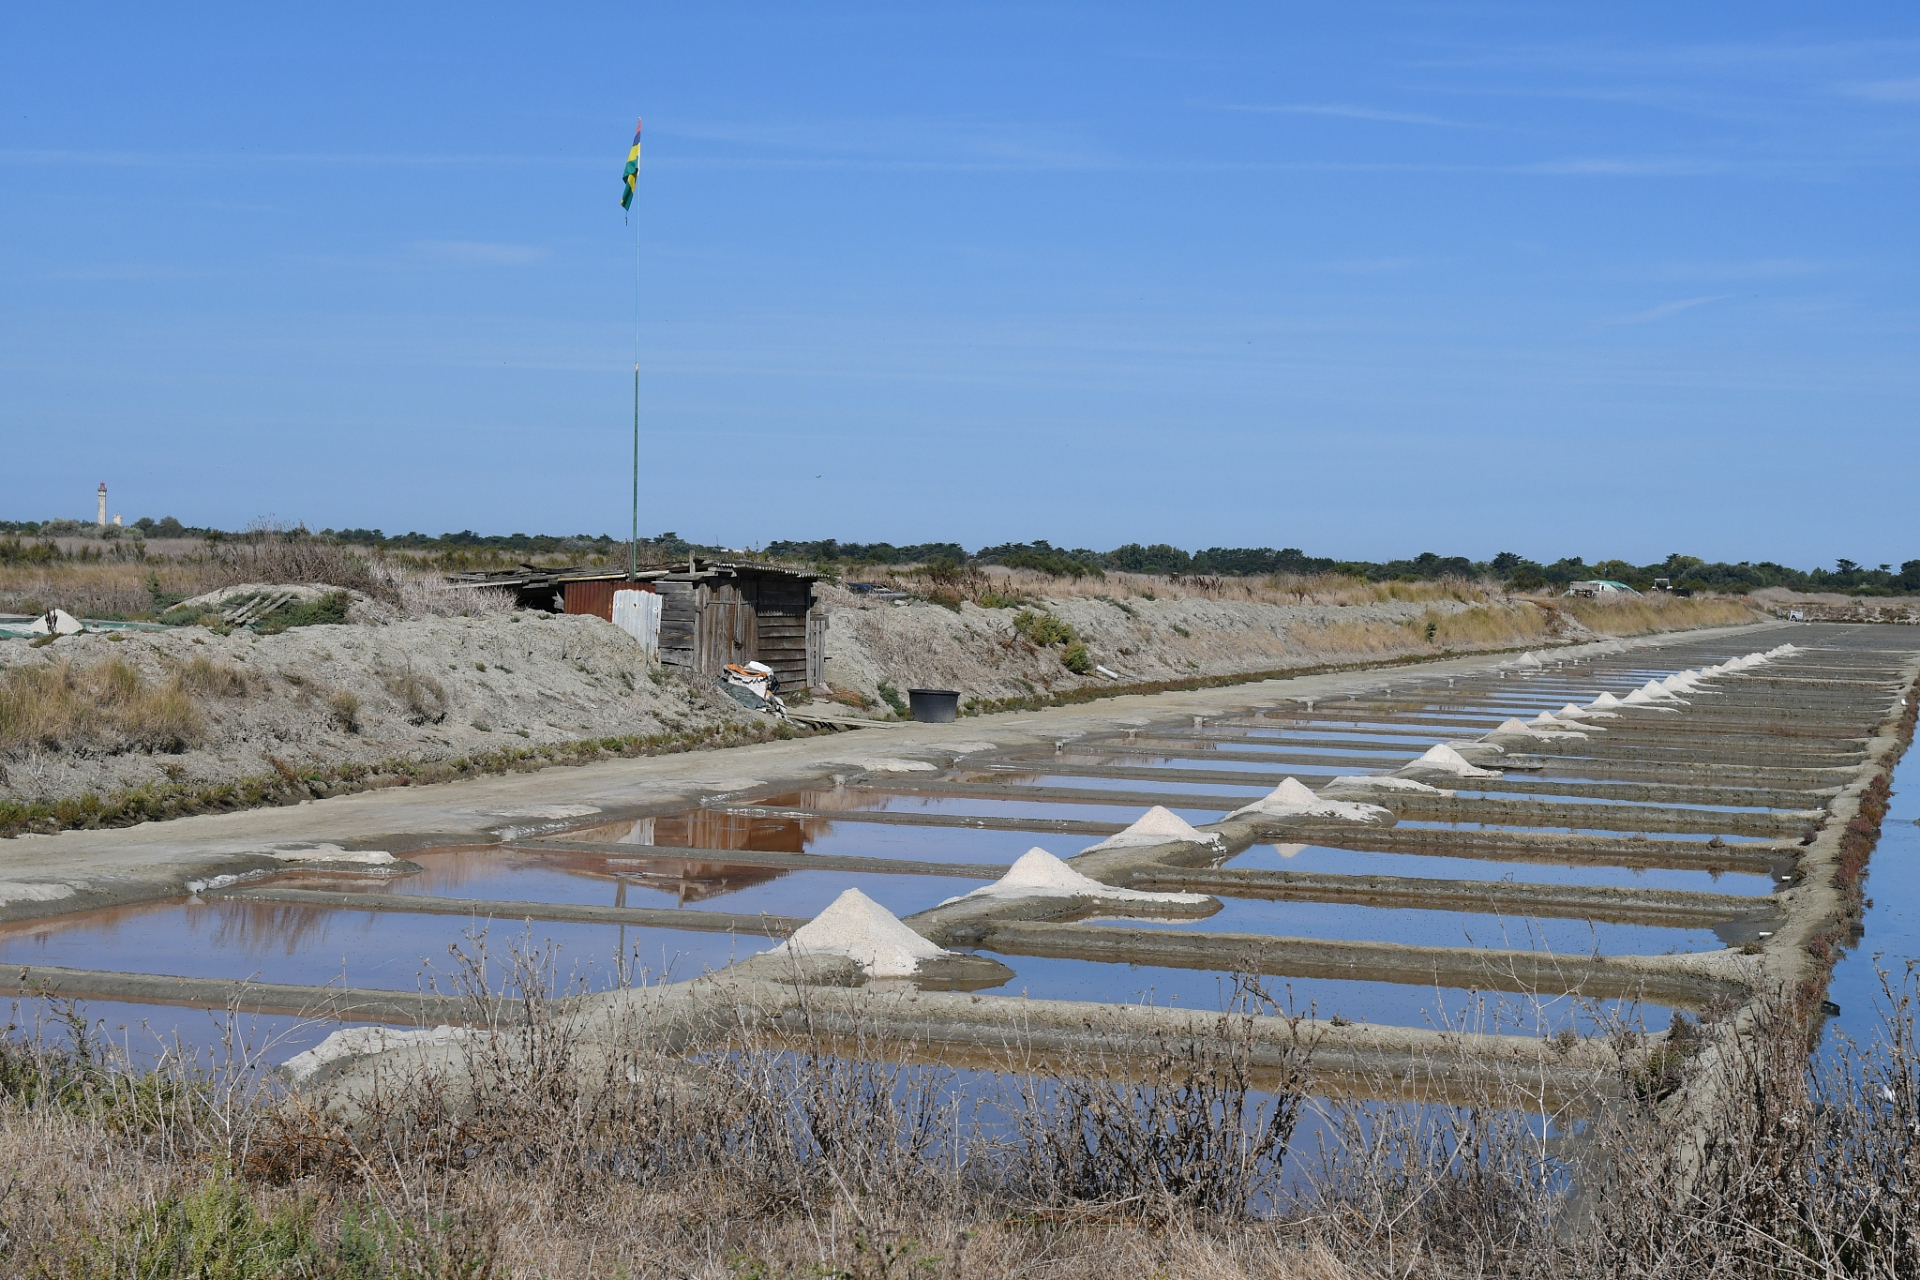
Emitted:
pixel 1368 280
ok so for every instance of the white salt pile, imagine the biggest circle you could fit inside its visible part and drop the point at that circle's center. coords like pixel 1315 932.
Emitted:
pixel 1442 758
pixel 1038 874
pixel 1290 850
pixel 1379 782
pixel 860 928
pixel 1157 825
pixel 1293 798
pixel 1528 660
pixel 1605 701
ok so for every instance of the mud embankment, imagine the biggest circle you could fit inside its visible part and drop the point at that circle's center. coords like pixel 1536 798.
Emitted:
pixel 986 654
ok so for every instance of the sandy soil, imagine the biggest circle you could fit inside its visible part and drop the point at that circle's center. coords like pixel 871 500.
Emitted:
pixel 476 684
pixel 978 651
pixel 1832 606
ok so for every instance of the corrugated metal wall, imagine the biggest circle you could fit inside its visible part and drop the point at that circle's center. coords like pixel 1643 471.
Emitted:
pixel 594 597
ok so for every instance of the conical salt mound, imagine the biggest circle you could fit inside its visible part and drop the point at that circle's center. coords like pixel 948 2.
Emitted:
pixel 1374 783
pixel 1570 712
pixel 1157 825
pixel 1294 799
pixel 1605 700
pixel 1292 791
pixel 1038 874
pixel 1528 660
pixel 1442 758
pixel 857 926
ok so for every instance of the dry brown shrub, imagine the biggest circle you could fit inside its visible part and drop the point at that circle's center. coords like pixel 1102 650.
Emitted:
pixel 103 706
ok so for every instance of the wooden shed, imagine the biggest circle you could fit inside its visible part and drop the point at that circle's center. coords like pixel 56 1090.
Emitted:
pixel 721 613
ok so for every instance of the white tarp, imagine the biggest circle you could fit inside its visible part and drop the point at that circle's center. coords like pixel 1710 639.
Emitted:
pixel 638 614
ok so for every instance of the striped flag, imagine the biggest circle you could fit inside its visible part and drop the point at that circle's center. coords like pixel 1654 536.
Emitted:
pixel 632 173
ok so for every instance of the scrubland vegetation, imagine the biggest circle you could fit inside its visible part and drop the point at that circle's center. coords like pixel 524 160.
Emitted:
pixel 858 1158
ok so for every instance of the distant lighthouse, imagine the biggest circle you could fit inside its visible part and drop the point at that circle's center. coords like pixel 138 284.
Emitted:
pixel 103 504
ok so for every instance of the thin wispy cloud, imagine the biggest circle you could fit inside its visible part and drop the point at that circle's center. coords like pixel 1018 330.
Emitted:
pixel 1370 266
pixel 1666 309
pixel 906 142
pixel 476 253
pixel 1628 167
pixel 1907 90
pixel 1759 269
pixel 1343 111
pixel 177 159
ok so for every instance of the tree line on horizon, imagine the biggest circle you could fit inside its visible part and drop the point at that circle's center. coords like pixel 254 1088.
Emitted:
pixel 1517 571
pixel 1510 567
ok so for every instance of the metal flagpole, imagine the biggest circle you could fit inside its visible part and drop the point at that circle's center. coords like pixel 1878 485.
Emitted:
pixel 633 544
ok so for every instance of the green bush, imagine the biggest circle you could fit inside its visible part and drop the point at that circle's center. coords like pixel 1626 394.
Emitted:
pixel 1077 659
pixel 216 1233
pixel 892 697
pixel 329 610
pixel 1042 628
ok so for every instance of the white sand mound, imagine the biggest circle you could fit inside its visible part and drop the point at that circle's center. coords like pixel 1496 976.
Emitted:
pixel 1293 798
pixel 857 926
pixel 555 811
pixel 1038 874
pixel 356 1042
pixel 1157 825
pixel 1442 758
pixel 887 764
pixel 55 622
pixel 1379 782
pixel 329 853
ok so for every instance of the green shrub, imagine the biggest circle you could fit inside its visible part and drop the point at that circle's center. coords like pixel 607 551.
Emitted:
pixel 329 610
pixel 215 1232
pixel 1077 659
pixel 1042 628
pixel 892 698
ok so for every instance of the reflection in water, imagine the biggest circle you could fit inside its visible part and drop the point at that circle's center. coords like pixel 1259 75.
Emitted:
pixel 313 946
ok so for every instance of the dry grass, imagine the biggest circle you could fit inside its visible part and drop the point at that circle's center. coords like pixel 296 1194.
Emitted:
pixel 1333 589
pixel 104 707
pixel 141 589
pixel 790 1159
pixel 1651 614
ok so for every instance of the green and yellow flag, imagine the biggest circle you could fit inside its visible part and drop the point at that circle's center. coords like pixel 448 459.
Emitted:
pixel 632 174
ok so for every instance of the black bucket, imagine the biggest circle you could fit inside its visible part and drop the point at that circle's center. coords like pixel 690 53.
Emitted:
pixel 934 706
